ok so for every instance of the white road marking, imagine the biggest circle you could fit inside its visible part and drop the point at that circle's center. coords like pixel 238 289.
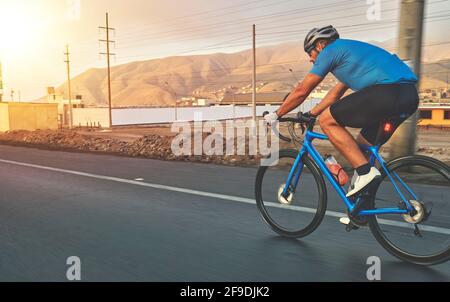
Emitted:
pixel 215 195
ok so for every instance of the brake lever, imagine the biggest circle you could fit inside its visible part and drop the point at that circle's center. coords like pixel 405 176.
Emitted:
pixel 303 128
pixel 281 136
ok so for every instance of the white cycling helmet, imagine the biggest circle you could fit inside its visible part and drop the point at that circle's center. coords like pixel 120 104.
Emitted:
pixel 327 32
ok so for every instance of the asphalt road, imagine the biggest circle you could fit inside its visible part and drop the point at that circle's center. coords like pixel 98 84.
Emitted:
pixel 199 225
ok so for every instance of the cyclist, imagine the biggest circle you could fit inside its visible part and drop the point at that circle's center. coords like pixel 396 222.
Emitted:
pixel 384 88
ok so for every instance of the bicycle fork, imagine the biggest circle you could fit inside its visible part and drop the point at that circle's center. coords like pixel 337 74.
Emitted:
pixel 294 174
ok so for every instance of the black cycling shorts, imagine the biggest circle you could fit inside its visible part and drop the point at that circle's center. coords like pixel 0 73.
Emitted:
pixel 371 106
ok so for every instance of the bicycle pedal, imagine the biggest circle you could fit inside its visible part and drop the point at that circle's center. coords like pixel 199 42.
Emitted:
pixel 349 226
pixel 344 220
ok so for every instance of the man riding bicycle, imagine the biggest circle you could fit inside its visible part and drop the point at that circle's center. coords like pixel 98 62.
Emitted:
pixel 384 89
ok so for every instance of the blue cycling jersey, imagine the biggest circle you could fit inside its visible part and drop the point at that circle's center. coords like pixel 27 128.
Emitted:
pixel 359 65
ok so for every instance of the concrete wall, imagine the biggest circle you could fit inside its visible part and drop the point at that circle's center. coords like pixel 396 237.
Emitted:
pixel 136 116
pixel 4 117
pixel 91 116
pixel 141 116
pixel 30 116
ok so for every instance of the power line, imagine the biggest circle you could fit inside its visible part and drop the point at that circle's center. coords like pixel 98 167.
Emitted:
pixel 219 32
pixel 170 20
pixel 288 12
pixel 181 17
pixel 213 46
pixel 296 31
pixel 250 19
pixel 284 13
pixel 349 26
pixel 175 22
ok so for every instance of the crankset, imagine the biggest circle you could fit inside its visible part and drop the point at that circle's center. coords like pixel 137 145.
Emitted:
pixel 358 220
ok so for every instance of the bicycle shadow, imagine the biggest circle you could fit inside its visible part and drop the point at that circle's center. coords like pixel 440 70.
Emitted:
pixel 396 270
pixel 287 240
pixel 292 246
pixel 353 267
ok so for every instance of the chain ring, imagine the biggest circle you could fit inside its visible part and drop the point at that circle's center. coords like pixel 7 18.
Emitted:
pixel 358 220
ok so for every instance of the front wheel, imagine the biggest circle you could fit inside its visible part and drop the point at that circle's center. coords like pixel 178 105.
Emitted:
pixel 424 237
pixel 301 211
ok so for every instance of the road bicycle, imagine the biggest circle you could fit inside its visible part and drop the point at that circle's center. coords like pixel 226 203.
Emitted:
pixel 407 209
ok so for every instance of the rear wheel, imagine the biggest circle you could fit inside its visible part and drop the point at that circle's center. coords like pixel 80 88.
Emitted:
pixel 422 238
pixel 299 213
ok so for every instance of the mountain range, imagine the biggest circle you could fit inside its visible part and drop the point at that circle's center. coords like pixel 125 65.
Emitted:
pixel 159 82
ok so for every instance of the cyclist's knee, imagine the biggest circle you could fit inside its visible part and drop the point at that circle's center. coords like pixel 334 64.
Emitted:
pixel 326 119
pixel 361 140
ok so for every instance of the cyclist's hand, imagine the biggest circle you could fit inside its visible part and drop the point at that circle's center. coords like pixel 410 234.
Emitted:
pixel 271 118
pixel 309 115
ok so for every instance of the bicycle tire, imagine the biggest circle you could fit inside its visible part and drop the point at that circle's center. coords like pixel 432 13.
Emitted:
pixel 322 202
pixel 374 226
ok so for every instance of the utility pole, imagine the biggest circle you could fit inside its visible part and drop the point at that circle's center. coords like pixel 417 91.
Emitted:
pixel 108 56
pixel 176 100
pixel 69 87
pixel 254 76
pixel 410 51
pixel 446 67
pixel 1 83
pixel 446 91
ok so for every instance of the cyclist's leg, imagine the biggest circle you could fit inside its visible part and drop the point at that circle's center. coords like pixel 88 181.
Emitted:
pixel 361 109
pixel 406 105
pixel 367 108
pixel 341 139
pixel 369 135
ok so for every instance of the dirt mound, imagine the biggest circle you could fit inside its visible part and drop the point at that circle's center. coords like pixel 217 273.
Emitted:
pixel 149 146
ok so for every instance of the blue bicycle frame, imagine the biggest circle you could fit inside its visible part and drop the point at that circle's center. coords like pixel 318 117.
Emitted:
pixel 309 149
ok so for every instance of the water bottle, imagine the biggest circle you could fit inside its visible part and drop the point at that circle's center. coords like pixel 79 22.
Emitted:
pixel 336 170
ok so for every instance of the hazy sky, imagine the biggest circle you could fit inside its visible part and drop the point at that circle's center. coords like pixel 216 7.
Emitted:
pixel 33 33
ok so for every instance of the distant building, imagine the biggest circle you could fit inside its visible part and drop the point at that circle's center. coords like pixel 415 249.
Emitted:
pixel 203 102
pixel 434 115
pixel 53 97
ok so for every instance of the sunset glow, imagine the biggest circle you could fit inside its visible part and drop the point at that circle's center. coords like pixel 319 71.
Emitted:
pixel 18 28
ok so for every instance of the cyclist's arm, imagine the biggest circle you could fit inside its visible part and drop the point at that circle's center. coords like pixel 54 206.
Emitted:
pixel 332 96
pixel 300 93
